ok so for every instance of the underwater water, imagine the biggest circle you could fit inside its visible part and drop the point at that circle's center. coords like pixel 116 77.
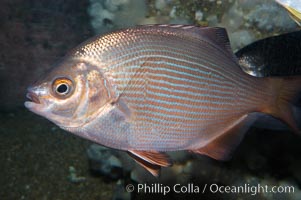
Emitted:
pixel 38 160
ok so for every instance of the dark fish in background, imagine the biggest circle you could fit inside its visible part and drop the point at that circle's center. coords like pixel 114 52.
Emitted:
pixel 273 56
pixel 151 89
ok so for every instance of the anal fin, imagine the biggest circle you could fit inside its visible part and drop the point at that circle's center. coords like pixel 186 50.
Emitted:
pixel 152 161
pixel 221 147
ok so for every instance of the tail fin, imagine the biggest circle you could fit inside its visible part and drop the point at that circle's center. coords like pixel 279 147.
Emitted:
pixel 287 91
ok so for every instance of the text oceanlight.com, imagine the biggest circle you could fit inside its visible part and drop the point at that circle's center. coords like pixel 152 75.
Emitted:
pixel 190 188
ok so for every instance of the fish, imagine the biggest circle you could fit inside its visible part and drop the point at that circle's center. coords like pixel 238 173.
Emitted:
pixel 272 56
pixel 151 89
pixel 293 7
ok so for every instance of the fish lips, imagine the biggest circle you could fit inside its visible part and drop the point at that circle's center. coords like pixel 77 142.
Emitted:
pixel 34 104
pixel 33 97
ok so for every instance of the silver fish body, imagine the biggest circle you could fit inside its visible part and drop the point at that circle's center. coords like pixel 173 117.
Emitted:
pixel 152 89
pixel 171 90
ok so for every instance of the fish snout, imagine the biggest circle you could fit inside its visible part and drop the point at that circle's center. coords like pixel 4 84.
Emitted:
pixel 32 95
pixel 35 101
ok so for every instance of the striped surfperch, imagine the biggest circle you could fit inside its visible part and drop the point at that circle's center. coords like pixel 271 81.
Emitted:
pixel 152 89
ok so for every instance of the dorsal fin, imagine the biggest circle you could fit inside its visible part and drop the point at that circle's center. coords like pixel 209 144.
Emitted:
pixel 217 36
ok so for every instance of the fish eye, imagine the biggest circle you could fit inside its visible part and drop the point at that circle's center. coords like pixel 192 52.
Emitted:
pixel 62 87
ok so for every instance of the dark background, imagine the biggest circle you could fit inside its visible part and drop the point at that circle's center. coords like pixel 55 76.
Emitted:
pixel 34 34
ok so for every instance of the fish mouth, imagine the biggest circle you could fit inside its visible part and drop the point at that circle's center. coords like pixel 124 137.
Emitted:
pixel 33 97
pixel 34 104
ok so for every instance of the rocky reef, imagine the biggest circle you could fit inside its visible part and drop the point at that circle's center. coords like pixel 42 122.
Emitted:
pixel 108 15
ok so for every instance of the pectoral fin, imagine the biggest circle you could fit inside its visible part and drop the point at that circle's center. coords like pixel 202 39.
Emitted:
pixel 221 147
pixel 152 161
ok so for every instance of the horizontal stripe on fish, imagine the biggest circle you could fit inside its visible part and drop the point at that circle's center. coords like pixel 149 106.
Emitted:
pixel 176 81
pixel 180 126
pixel 189 89
pixel 195 87
pixel 203 86
pixel 183 90
pixel 153 98
pixel 212 93
pixel 177 127
pixel 163 145
pixel 200 112
pixel 170 80
pixel 190 53
pixel 162 50
pixel 187 50
pixel 175 112
pixel 146 55
pixel 185 132
pixel 180 69
pixel 149 43
pixel 203 98
pixel 176 117
pixel 165 110
pixel 135 95
pixel 240 82
pixel 180 133
pixel 181 75
pixel 175 77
